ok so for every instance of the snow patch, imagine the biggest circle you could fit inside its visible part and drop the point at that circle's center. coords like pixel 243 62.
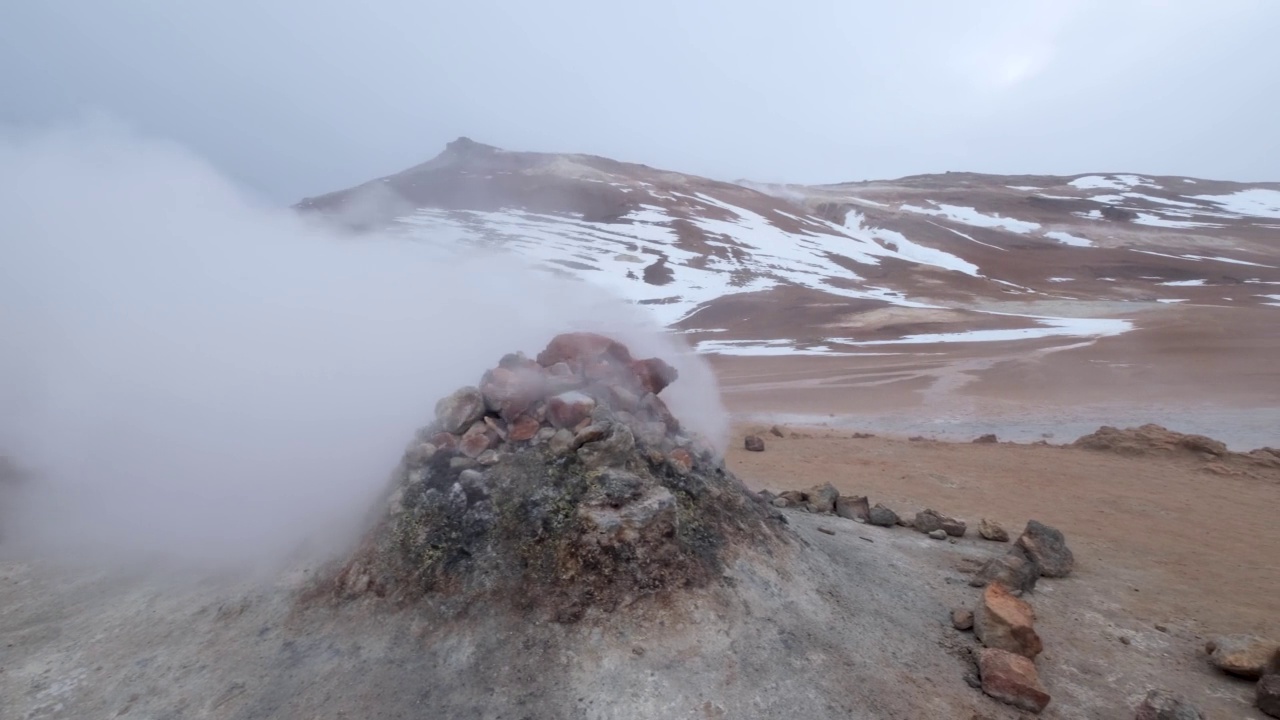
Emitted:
pixel 1184 283
pixel 1111 182
pixel 1169 301
pixel 1156 221
pixel 970 216
pixel 1255 202
pixel 1069 239
pixel 1050 327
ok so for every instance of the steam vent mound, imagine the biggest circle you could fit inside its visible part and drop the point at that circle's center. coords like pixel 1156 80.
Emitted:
pixel 562 485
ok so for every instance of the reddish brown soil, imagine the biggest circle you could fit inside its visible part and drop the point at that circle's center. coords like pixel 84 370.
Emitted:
pixel 1164 537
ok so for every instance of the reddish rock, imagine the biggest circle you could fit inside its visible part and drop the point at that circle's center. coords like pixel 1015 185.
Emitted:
pixel 1005 622
pixel 1012 679
pixel 654 374
pixel 523 428
pixel 445 441
pixel 475 441
pixel 754 443
pixel 681 461
pixel 962 619
pixel 510 392
pixel 579 348
pixel 568 410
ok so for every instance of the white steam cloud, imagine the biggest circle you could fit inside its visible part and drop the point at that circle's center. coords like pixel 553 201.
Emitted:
pixel 194 376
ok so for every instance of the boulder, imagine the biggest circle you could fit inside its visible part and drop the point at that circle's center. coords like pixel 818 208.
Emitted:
pixel 754 443
pixel 1014 570
pixel 953 527
pixel 1005 622
pixel 455 413
pixel 986 439
pixel 1011 679
pixel 991 530
pixel 882 516
pixel 1164 705
pixel 822 498
pixel 1244 655
pixel 962 619
pixel 1048 548
pixel 793 497
pixel 1268 699
pixel 581 349
pixel 853 507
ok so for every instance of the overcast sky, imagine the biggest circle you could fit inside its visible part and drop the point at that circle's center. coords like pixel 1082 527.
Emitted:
pixel 298 97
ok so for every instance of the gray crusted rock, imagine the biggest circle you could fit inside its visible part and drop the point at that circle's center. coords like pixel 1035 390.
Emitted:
pixel 853 507
pixel 1164 705
pixel 882 516
pixel 619 486
pixel 1268 699
pixel 1246 656
pixel 458 411
pixel 991 530
pixel 822 498
pixel 1014 570
pixel 781 502
pixel 612 451
pixel 561 441
pixel 1048 548
pixel 489 457
pixel 938 534
pixel 953 527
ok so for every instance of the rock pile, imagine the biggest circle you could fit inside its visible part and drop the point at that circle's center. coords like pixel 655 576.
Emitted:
pixel 562 483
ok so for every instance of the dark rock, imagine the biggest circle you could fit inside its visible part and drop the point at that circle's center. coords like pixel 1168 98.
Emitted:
pixel 822 498
pixel 962 619
pixel 853 507
pixel 619 486
pixel 754 443
pixel 953 527
pixel 991 530
pixel 986 439
pixel 861 436
pixel 1014 570
pixel 927 521
pixel 776 431
pixel 458 411
pixel 1164 705
pixel 1048 548
pixel 1246 656
pixel 1012 679
pixel 1268 699
pixel 882 516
